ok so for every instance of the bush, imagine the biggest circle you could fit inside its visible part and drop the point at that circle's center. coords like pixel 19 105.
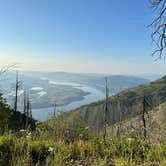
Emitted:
pixel 67 126
pixel 154 154
pixel 38 151
pixel 124 151
pixel 7 146
pixel 164 150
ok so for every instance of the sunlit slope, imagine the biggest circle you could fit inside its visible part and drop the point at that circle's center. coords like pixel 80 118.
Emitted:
pixel 155 123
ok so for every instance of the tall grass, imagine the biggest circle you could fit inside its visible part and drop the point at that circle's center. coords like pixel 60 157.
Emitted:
pixel 114 151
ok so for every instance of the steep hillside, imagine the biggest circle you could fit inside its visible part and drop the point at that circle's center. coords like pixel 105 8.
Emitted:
pixel 155 123
pixel 126 104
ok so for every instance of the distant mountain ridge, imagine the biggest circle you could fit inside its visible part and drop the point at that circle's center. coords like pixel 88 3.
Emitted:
pixel 117 82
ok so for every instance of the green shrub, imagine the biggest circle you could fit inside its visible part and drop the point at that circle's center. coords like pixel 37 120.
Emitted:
pixel 154 154
pixel 7 146
pixel 164 150
pixel 38 151
pixel 67 126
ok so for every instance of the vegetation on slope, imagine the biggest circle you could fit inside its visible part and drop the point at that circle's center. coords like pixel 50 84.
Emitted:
pixel 10 120
pixel 94 152
pixel 155 125
pixel 68 140
pixel 128 103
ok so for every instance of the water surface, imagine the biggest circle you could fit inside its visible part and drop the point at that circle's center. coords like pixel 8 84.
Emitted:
pixel 43 114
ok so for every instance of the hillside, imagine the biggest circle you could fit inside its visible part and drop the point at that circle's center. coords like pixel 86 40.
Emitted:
pixel 13 121
pixel 127 103
pixel 155 122
pixel 67 140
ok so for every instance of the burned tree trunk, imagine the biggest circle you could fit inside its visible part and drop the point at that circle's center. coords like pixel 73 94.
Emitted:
pixel 16 92
pixel 143 117
pixel 106 108
pixel 144 113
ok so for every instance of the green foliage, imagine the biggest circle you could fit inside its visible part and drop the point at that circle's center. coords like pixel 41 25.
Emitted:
pixel 6 149
pixel 67 139
pixel 129 101
pixel 154 154
pixel 67 126
pixel 5 114
pixel 123 151
pixel 38 151
pixel 11 147
pixel 11 120
pixel 164 150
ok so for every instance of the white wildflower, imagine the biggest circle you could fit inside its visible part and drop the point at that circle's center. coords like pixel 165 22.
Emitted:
pixel 50 149
pixel 86 128
pixel 130 139
pixel 28 137
pixel 29 134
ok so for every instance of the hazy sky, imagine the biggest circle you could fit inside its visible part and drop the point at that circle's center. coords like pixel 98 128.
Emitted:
pixel 106 36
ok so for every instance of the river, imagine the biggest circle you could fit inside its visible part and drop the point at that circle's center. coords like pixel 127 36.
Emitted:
pixel 43 114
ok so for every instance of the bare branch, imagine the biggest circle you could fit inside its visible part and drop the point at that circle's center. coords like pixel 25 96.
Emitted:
pixel 159 25
pixel 9 67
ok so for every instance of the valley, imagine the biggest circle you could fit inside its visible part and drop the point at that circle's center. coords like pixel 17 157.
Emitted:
pixel 63 91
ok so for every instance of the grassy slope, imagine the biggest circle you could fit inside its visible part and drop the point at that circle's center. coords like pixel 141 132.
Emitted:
pixel 68 140
pixel 155 121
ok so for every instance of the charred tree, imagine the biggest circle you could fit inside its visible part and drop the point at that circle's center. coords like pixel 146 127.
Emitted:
pixel 17 86
pixel 28 110
pixel 120 119
pixel 25 102
pixel 54 109
pixel 143 117
pixel 106 108
pixel 145 103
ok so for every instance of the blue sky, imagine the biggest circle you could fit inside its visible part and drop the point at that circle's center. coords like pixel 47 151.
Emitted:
pixel 106 36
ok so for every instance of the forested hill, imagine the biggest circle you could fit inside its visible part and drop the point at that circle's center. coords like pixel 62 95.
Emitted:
pixel 126 104
pixel 11 120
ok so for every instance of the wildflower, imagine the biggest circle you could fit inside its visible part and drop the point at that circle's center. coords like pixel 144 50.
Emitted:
pixel 29 134
pixel 130 139
pixel 28 137
pixel 86 128
pixel 50 149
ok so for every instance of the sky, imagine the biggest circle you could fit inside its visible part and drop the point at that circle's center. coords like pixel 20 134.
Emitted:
pixel 90 36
